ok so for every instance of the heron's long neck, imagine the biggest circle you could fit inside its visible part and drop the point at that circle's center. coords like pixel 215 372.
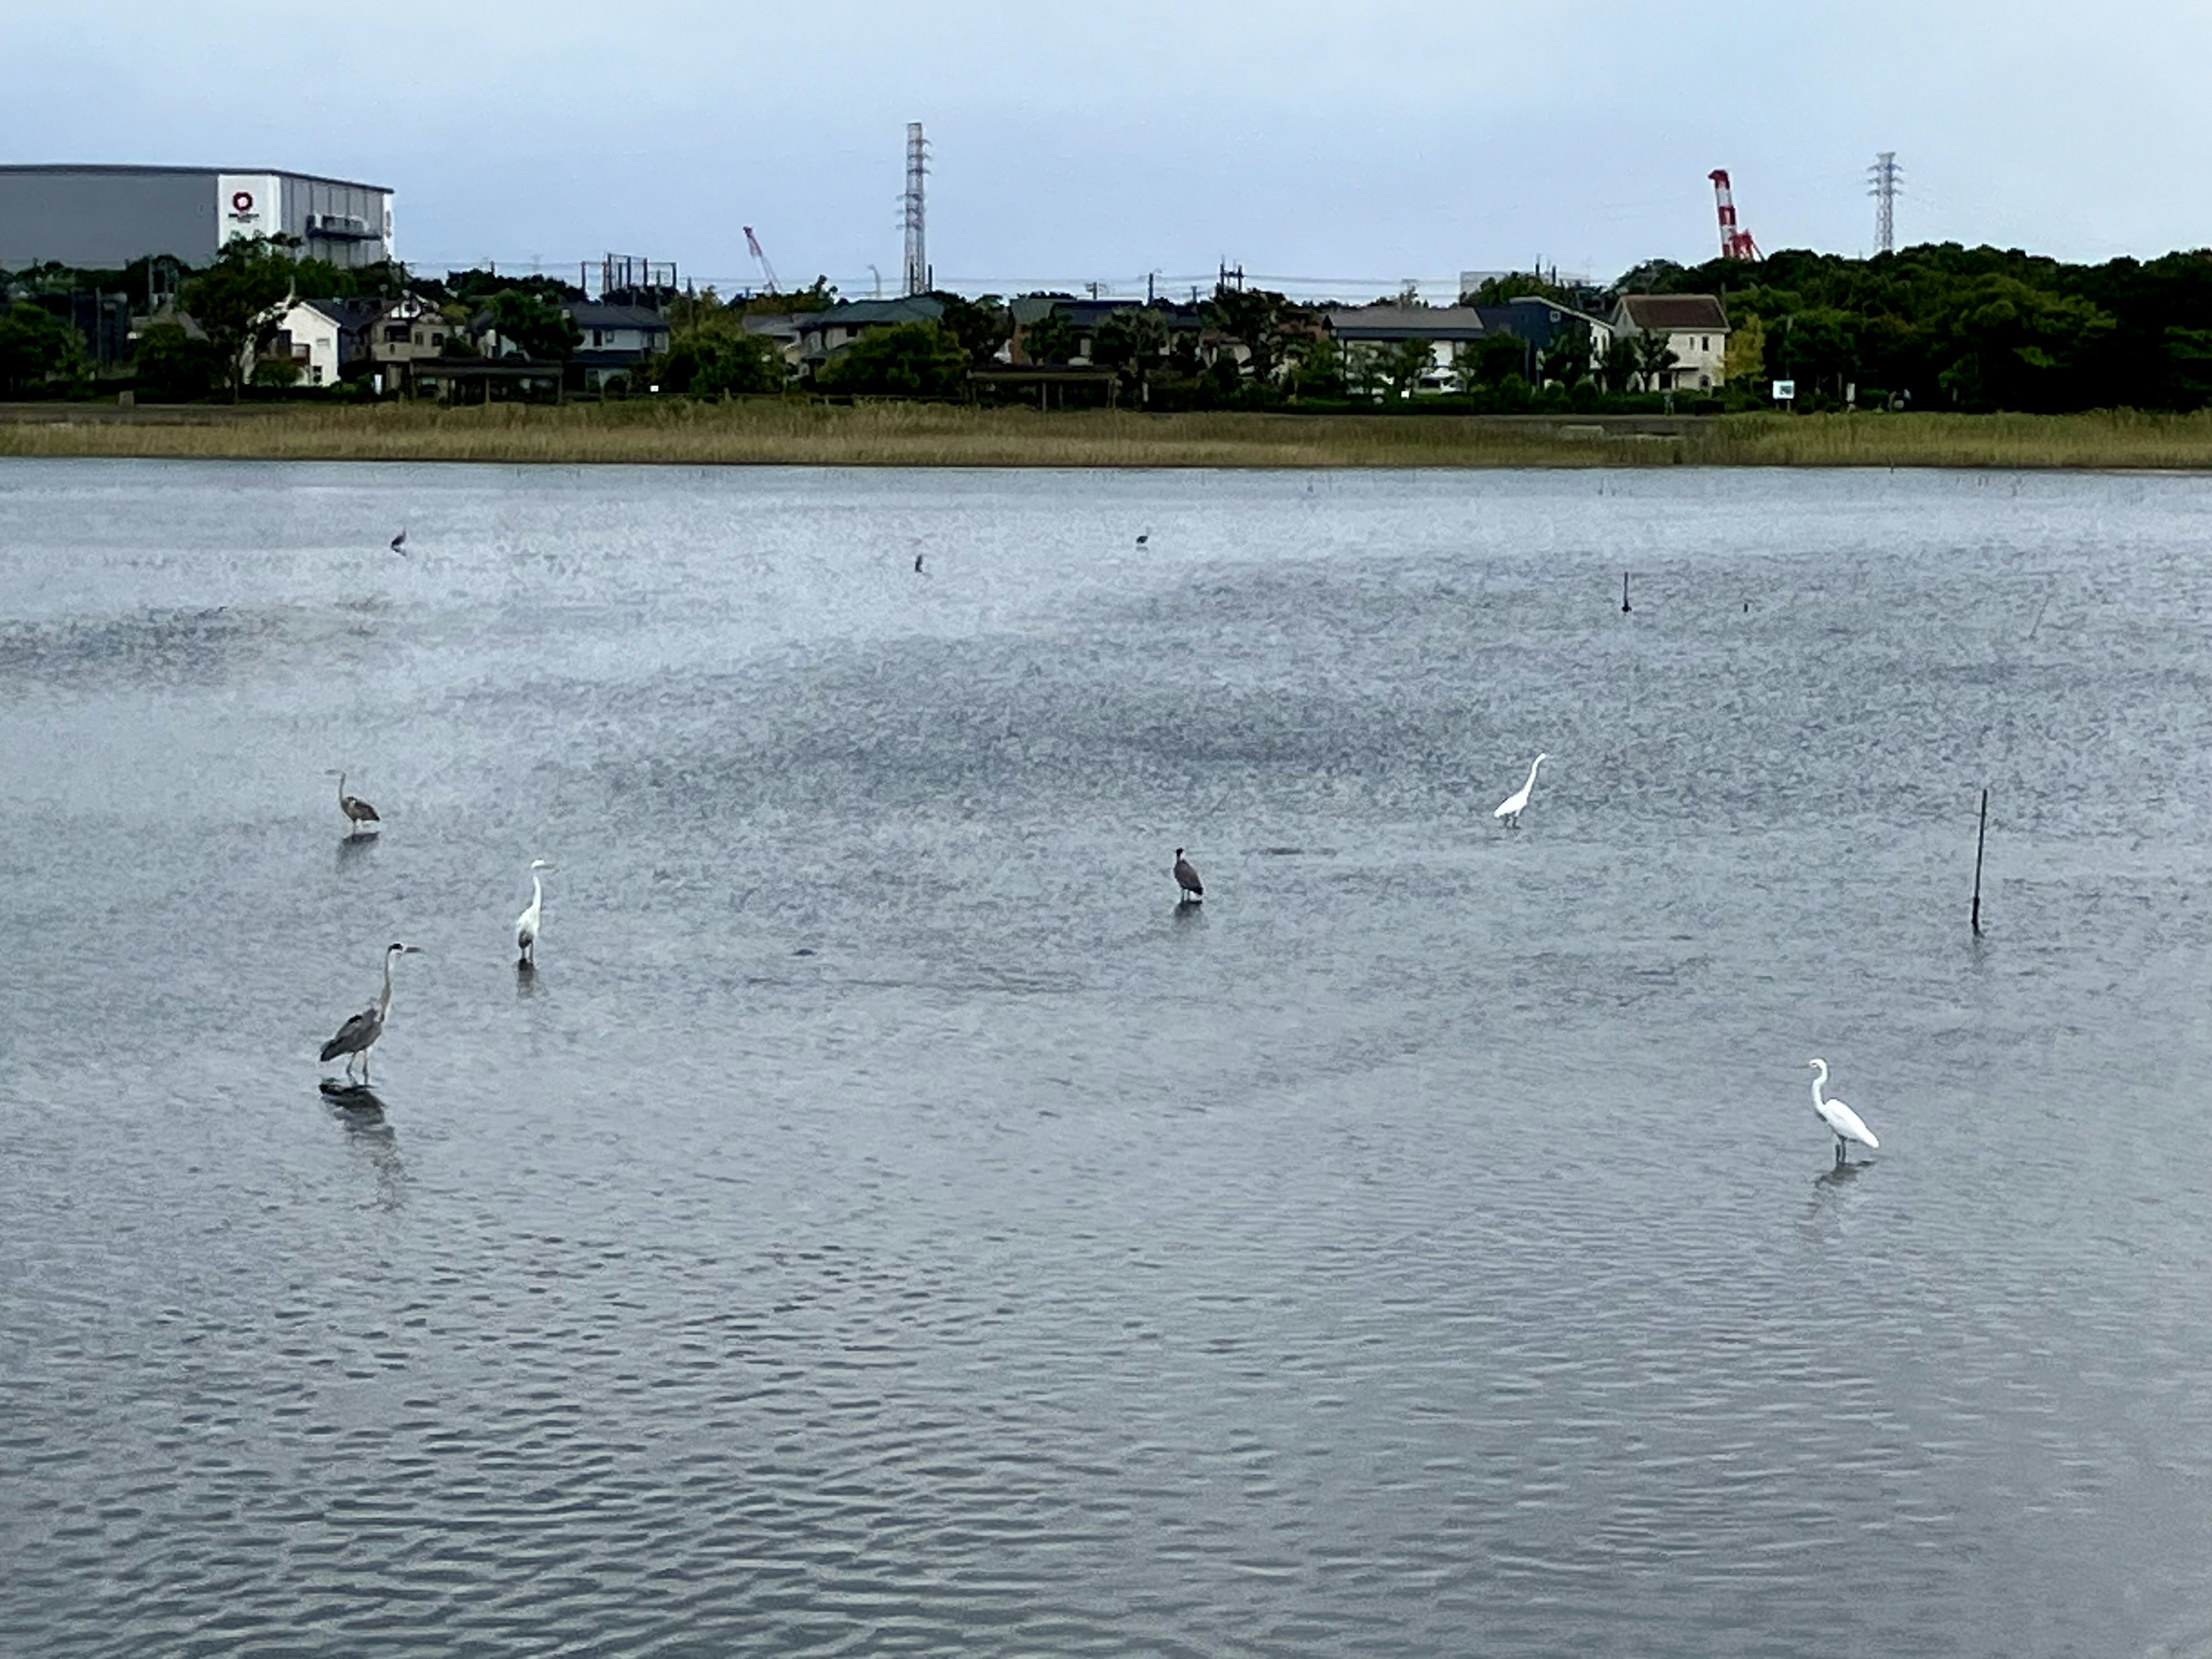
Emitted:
pixel 1819 1082
pixel 384 1002
pixel 536 892
pixel 341 788
pixel 1533 765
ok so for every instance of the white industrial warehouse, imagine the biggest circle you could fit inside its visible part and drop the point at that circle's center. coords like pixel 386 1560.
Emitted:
pixel 102 218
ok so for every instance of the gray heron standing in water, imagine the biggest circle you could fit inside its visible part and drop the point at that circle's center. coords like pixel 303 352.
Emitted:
pixel 526 925
pixel 358 811
pixel 1186 875
pixel 359 1035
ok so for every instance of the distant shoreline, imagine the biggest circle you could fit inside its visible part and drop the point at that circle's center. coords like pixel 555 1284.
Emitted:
pixel 792 432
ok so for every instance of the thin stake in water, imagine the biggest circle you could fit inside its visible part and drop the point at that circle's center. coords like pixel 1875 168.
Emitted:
pixel 1980 836
pixel 1624 593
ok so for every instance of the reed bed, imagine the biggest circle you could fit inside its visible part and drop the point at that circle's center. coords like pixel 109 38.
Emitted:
pixel 795 432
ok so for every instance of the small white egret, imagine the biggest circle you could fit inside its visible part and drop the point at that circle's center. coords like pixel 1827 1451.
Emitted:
pixel 358 811
pixel 1843 1122
pixel 1511 807
pixel 526 925
pixel 1186 875
pixel 359 1035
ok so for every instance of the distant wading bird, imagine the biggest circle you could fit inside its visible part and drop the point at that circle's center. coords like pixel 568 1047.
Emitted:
pixel 1511 807
pixel 399 543
pixel 358 811
pixel 1843 1122
pixel 1144 538
pixel 1186 875
pixel 359 1035
pixel 526 925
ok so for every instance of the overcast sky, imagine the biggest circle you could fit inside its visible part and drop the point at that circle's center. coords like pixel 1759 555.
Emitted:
pixel 1071 143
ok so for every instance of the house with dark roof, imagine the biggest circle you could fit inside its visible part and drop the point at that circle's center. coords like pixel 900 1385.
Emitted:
pixel 1538 323
pixel 616 340
pixel 1695 325
pixel 1448 329
pixel 809 338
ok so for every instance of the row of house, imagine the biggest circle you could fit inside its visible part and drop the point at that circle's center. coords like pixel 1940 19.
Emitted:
pixel 1695 325
pixel 414 346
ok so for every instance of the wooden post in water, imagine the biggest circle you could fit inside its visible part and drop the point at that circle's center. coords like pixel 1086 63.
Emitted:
pixel 1624 593
pixel 1980 836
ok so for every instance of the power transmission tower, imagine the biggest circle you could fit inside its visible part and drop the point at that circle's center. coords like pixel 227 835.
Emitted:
pixel 917 169
pixel 1885 189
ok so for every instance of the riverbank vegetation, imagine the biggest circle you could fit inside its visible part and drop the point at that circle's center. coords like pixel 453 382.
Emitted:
pixel 796 431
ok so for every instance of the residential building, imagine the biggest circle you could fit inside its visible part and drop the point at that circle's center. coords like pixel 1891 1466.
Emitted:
pixel 1362 328
pixel 102 218
pixel 1695 325
pixel 1085 317
pixel 322 337
pixel 403 334
pixel 1538 323
pixel 616 340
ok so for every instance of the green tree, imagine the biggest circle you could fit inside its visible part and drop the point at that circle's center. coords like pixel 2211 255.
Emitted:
pixel 35 347
pixel 982 325
pixel 1259 320
pixel 1133 341
pixel 1566 360
pixel 1403 362
pixel 534 324
pixel 237 301
pixel 1050 339
pixel 908 360
pixel 1745 358
pixel 1515 285
pixel 1317 366
pixel 719 360
pixel 1618 363
pixel 1654 355
pixel 1489 359
pixel 173 366
pixel 2013 347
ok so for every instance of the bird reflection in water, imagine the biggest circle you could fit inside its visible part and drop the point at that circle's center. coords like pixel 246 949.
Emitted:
pixel 1189 910
pixel 360 1114
pixel 527 983
pixel 352 847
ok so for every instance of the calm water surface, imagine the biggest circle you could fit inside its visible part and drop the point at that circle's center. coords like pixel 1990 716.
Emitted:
pixel 886 1222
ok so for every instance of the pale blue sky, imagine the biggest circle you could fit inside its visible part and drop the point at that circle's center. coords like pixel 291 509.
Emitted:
pixel 1098 142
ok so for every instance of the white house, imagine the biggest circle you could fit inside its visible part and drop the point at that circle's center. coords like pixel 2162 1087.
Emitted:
pixel 322 336
pixel 1696 327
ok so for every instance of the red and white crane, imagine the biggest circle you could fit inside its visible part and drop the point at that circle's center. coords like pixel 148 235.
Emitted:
pixel 767 269
pixel 1736 241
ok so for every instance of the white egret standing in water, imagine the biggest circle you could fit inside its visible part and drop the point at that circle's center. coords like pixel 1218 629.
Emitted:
pixel 1843 1122
pixel 359 1035
pixel 1511 807
pixel 526 925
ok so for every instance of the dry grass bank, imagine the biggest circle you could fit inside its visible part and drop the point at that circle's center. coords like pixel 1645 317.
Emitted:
pixel 923 435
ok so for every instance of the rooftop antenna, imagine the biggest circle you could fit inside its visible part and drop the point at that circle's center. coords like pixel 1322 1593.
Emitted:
pixel 917 171
pixel 1885 189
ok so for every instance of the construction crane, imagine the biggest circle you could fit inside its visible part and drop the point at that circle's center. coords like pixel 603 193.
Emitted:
pixel 768 270
pixel 1736 241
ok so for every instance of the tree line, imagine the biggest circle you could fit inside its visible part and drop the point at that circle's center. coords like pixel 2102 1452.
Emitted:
pixel 1937 326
